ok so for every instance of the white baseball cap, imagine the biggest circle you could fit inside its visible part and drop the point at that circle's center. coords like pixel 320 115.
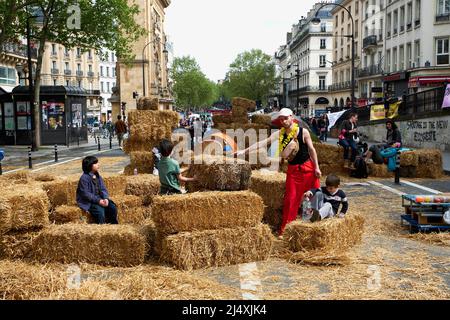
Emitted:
pixel 285 112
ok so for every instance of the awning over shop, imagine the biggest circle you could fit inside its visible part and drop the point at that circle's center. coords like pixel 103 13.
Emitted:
pixel 428 81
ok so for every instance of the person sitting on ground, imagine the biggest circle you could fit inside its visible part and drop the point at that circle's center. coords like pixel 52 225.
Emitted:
pixel 92 195
pixel 393 140
pixel 170 175
pixel 325 202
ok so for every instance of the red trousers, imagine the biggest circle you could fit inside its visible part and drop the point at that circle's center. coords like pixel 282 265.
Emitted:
pixel 299 179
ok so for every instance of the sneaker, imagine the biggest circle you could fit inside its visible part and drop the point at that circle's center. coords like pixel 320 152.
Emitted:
pixel 315 216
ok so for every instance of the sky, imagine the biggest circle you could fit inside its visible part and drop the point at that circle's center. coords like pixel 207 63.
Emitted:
pixel 214 32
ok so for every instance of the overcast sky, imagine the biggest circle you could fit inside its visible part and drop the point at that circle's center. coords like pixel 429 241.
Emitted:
pixel 214 32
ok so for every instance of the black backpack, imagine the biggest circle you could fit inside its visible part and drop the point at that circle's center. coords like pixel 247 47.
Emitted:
pixel 360 170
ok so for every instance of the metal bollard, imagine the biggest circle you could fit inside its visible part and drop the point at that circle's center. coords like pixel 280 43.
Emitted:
pixel 56 153
pixel 110 141
pixel 98 143
pixel 397 168
pixel 1 169
pixel 30 164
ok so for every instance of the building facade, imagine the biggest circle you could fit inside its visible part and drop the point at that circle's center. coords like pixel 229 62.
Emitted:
pixel 75 67
pixel 283 62
pixel 107 78
pixel 14 55
pixel 417 40
pixel 311 53
pixel 340 90
pixel 148 74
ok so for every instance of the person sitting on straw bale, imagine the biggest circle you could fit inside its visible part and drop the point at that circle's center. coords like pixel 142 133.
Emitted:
pixel 295 145
pixel 92 195
pixel 169 171
pixel 393 140
pixel 325 202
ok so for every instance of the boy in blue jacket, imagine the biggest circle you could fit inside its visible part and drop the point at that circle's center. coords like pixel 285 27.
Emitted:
pixel 92 195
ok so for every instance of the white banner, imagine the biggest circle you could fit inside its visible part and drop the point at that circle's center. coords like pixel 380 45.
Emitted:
pixel 334 117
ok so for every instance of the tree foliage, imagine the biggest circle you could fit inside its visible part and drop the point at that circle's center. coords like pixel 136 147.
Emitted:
pixel 251 76
pixel 192 89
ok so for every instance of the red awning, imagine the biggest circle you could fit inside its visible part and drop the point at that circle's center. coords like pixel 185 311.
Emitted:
pixel 416 82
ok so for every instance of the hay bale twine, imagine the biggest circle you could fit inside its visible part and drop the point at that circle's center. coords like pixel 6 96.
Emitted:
pixel 206 210
pixel 216 248
pixel 108 245
pixel 219 173
pixel 334 235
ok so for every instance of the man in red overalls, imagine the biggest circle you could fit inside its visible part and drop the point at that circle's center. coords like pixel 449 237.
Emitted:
pixel 303 171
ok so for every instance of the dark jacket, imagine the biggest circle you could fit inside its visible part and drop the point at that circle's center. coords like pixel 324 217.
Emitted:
pixel 87 193
pixel 393 136
pixel 347 125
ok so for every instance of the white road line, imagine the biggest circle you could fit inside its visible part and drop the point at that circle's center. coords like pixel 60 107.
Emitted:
pixel 421 187
pixel 398 192
pixel 250 282
pixel 11 171
pixel 49 161
pixel 57 164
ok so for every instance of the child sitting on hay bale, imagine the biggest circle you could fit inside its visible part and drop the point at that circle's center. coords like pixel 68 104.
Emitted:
pixel 169 171
pixel 327 200
pixel 92 195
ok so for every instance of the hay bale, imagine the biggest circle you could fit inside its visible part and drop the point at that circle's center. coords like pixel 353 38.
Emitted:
pixel 62 191
pixel 128 170
pixel 379 170
pixel 430 163
pixel 17 244
pixel 148 229
pixel 19 177
pixel 227 119
pixel 216 248
pixel 142 185
pixel 239 120
pixel 206 210
pixel 70 214
pixel 149 118
pixel 146 103
pixel 109 245
pixel 219 173
pixel 22 209
pixel 131 144
pixel 115 184
pixel 247 104
pixel 329 235
pixel 152 134
pixel 329 154
pixel 142 161
pixel 270 187
pixel 43 177
pixel 265 119
pixel 129 209
pixel 409 158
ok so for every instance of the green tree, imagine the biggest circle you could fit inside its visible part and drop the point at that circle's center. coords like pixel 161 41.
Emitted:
pixel 192 89
pixel 86 24
pixel 251 76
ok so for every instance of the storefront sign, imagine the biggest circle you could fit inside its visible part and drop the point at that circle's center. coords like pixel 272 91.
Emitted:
pixel 377 112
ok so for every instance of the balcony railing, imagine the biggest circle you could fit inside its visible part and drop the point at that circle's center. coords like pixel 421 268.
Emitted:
pixel 310 89
pixel 93 92
pixel 55 71
pixel 67 72
pixel 417 22
pixel 369 41
pixel 90 74
pixel 342 86
pixel 79 73
pixel 19 50
pixel 443 17
pixel 370 71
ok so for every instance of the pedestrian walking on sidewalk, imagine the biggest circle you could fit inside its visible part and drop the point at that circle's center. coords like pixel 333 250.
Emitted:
pixel 121 129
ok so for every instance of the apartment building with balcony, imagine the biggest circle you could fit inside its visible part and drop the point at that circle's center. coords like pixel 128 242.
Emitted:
pixel 340 90
pixel 370 71
pixel 107 80
pixel 74 67
pixel 417 54
pixel 310 68
pixel 282 59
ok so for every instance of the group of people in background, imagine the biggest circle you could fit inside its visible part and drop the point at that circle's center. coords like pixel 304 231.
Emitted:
pixel 319 126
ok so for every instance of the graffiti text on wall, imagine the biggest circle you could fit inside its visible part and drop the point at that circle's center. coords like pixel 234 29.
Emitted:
pixel 427 131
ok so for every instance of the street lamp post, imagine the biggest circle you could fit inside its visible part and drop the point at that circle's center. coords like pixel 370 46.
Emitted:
pixel 297 74
pixel 316 20
pixel 143 63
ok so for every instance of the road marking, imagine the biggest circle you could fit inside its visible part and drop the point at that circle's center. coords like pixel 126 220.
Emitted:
pixel 398 192
pixel 11 171
pixel 356 184
pixel 57 164
pixel 49 161
pixel 96 151
pixel 250 282
pixel 421 187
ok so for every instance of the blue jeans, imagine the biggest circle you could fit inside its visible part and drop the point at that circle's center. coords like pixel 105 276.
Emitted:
pixel 349 143
pixel 104 215
pixel 324 136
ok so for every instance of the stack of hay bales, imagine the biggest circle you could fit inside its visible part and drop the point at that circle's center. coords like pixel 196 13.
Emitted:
pixel 145 103
pixel 210 229
pixel 147 128
pixel 271 187
pixel 262 119
pixel 422 163
pixel 23 214
pixel 331 158
pixel 240 109
pixel 109 245
pixel 326 241
pixel 219 173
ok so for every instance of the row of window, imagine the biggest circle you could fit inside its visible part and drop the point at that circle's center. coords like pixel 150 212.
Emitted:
pixel 79 53
pixel 79 83
pixel 67 68
pixel 402 19
pixel 304 81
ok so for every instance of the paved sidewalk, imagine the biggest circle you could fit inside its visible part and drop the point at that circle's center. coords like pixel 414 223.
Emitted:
pixel 445 155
